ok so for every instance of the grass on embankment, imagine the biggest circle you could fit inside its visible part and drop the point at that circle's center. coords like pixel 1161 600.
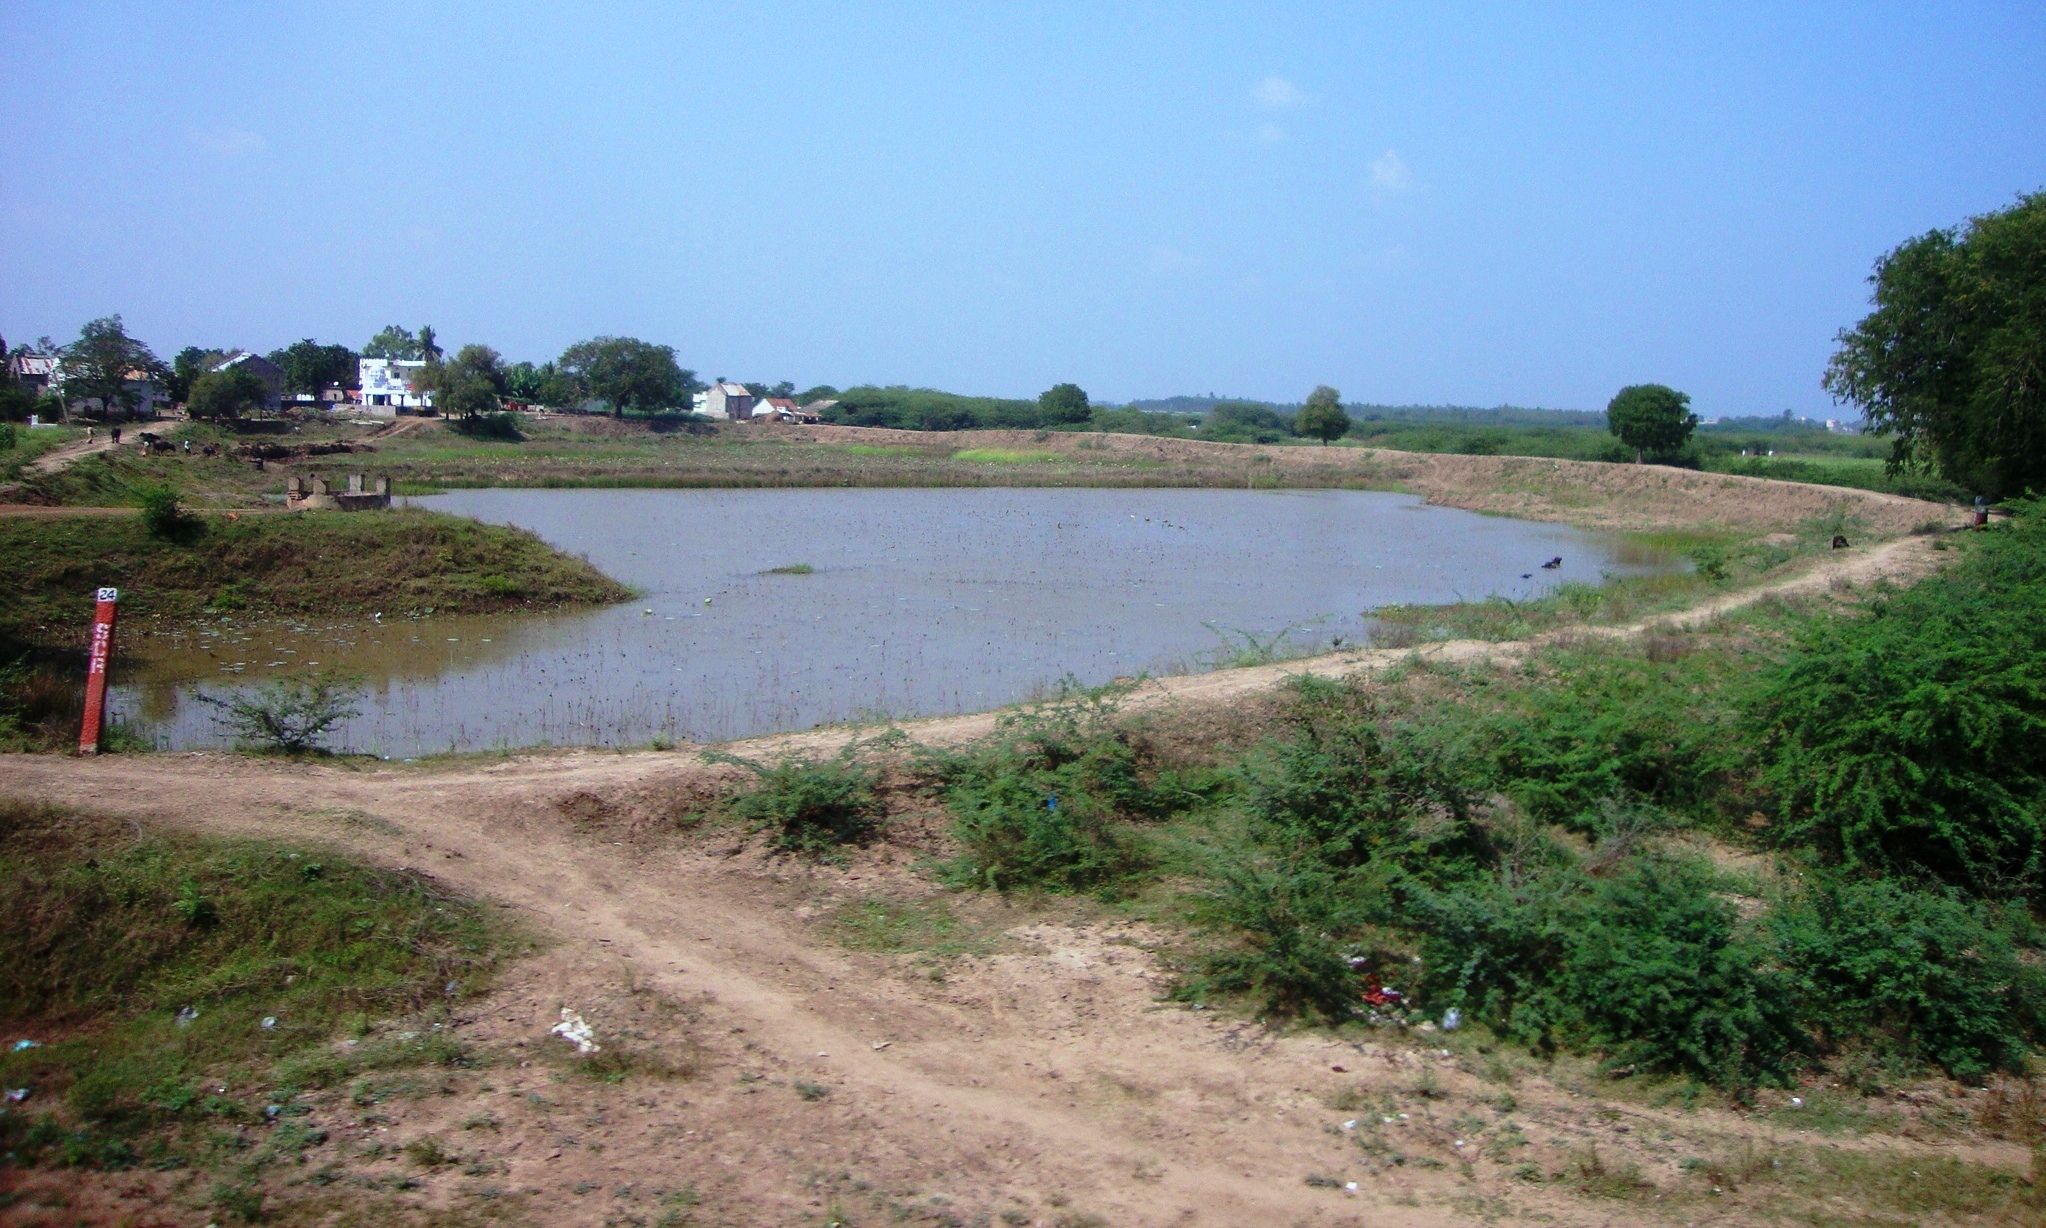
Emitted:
pixel 335 564
pixel 1718 565
pixel 183 991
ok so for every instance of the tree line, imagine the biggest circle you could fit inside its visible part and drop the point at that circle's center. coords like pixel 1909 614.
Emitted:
pixel 109 365
pixel 1950 366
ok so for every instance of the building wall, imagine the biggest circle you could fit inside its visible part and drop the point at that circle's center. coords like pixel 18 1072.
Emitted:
pixel 388 381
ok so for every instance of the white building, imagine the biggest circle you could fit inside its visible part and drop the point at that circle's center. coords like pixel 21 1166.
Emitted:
pixel 388 381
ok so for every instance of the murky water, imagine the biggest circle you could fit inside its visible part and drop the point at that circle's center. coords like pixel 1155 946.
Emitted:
pixel 920 603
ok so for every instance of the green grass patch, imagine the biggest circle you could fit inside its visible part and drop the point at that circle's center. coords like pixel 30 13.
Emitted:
pixel 176 985
pixel 1005 456
pixel 902 926
pixel 397 563
pixel 869 449
pixel 793 569
pixel 31 445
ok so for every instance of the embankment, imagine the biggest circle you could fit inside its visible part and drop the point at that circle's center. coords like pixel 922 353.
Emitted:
pixel 395 563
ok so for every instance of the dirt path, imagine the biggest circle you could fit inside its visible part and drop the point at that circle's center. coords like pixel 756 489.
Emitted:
pixel 1041 1076
pixel 57 460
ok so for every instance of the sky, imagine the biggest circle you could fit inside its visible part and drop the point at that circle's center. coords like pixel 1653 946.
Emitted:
pixel 1419 204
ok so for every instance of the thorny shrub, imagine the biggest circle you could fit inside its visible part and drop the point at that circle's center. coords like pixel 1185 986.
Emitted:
pixel 1910 738
pixel 812 806
pixel 1047 802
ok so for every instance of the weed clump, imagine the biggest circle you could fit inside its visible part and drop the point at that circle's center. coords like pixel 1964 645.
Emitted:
pixel 1646 962
pixel 1924 974
pixel 811 806
pixel 1048 802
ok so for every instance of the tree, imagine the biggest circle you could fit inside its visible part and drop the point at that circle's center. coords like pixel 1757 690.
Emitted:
pixel 185 370
pixel 311 368
pixel 103 363
pixel 469 385
pixel 1243 421
pixel 1322 416
pixel 1064 405
pixel 393 342
pixel 627 373
pixel 1952 362
pixel 1651 418
pixel 219 395
pixel 524 380
pixel 428 349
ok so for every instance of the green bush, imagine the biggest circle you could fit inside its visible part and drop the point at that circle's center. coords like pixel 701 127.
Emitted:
pixel 1046 802
pixel 496 428
pixel 164 517
pixel 1646 963
pixel 811 806
pixel 1043 828
pixel 1606 726
pixel 1910 738
pixel 290 716
pixel 1352 789
pixel 1282 915
pixel 1922 975
pixel 8 437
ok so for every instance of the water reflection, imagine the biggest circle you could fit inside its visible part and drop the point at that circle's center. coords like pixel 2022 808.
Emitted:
pixel 920 602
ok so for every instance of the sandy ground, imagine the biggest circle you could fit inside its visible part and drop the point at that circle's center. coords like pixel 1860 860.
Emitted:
pixel 1036 1079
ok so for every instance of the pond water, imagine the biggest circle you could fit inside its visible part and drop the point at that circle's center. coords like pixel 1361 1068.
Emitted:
pixel 918 603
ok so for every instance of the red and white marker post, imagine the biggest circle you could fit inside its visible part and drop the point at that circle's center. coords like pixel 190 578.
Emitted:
pixel 96 669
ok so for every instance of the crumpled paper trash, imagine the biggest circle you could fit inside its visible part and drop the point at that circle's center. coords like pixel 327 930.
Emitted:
pixel 573 1030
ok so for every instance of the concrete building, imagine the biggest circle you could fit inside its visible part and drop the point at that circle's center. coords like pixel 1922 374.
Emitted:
pixel 388 382
pixel 311 493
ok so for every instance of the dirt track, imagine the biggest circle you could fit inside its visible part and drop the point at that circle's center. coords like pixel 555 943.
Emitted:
pixel 1041 1076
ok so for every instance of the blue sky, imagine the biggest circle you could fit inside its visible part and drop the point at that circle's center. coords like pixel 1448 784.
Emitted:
pixel 1427 203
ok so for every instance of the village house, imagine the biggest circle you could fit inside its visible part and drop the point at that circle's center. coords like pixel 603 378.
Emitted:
pixel 387 386
pixel 725 399
pixel 32 371
pixel 263 369
pixel 142 396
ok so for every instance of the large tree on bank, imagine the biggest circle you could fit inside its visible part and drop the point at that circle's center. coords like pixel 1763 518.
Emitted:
pixel 627 373
pixel 1651 418
pixel 1952 362
pixel 1064 405
pixel 1322 417
pixel 107 365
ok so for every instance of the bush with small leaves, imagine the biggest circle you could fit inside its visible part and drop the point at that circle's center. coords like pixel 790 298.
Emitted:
pixel 290 716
